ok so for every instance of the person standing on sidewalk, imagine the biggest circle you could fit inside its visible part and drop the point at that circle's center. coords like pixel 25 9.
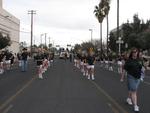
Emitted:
pixel 133 68
pixel 24 58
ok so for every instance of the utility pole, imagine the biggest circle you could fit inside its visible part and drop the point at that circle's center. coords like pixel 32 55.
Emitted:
pixel 31 12
pixel 49 42
pixel 117 19
pixel 107 32
pixel 41 40
pixel 45 39
pixel 91 34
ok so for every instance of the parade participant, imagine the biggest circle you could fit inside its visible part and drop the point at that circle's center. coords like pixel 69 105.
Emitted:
pixel 78 60
pixel 8 56
pixel 133 68
pixel 141 61
pixel 124 59
pixel 91 62
pixel 110 62
pixel 1 62
pixel 65 56
pixel 24 58
pixel 106 63
pixel 85 65
pixel 12 58
pixel 70 57
pixel 75 60
pixel 39 59
pixel 82 63
pixel 19 59
pixel 119 62
pixel 52 58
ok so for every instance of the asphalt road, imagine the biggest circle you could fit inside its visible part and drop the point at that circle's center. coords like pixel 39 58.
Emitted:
pixel 65 90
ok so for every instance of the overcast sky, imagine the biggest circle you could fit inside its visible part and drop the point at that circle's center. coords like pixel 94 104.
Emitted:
pixel 69 21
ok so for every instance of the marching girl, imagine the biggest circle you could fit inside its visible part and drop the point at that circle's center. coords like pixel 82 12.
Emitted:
pixel 1 63
pixel 82 63
pixel 75 60
pixel 39 59
pixel 85 65
pixel 91 62
pixel 78 60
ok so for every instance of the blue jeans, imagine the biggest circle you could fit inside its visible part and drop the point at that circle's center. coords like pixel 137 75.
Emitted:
pixel 24 65
pixel 132 83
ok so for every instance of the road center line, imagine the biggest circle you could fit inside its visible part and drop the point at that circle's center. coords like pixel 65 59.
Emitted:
pixel 113 109
pixel 15 95
pixel 7 109
pixel 109 97
pixel 147 83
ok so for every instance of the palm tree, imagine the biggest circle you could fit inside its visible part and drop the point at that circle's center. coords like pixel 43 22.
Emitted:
pixel 106 10
pixel 101 11
pixel 117 19
pixel 99 14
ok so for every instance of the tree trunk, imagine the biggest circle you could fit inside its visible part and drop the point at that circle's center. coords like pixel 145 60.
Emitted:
pixel 101 38
pixel 107 33
pixel 117 20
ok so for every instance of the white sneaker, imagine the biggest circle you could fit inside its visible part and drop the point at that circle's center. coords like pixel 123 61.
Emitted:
pixel 84 74
pixel 141 79
pixel 89 77
pixel 129 101
pixel 40 76
pixel 87 74
pixel 93 77
pixel 136 108
pixel 121 80
pixel 82 70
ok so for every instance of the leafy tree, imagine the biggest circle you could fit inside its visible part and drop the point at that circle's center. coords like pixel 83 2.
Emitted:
pixel 136 24
pixel 146 38
pixel 4 41
pixel 135 34
pixel 34 46
pixel 86 45
pixel 77 47
pixel 50 45
pixel 112 41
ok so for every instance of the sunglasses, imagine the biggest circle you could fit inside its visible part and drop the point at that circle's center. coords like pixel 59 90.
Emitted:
pixel 134 51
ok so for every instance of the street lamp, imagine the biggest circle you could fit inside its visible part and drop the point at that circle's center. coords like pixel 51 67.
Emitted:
pixel 91 30
pixel 41 40
pixel 45 38
pixel 118 19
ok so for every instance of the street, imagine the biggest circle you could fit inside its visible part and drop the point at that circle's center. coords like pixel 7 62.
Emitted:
pixel 65 90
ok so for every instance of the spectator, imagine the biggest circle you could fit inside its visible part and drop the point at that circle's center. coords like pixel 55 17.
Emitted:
pixel 24 57
pixel 1 62
pixel 133 68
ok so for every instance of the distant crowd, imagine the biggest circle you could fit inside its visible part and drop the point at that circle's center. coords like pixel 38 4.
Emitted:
pixel 8 59
pixel 130 65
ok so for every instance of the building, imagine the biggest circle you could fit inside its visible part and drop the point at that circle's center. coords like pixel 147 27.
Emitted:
pixel 10 25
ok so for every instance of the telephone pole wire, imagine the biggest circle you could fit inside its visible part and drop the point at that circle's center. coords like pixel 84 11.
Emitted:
pixel 31 12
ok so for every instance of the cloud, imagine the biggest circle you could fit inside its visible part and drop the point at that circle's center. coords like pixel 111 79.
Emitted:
pixel 70 19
